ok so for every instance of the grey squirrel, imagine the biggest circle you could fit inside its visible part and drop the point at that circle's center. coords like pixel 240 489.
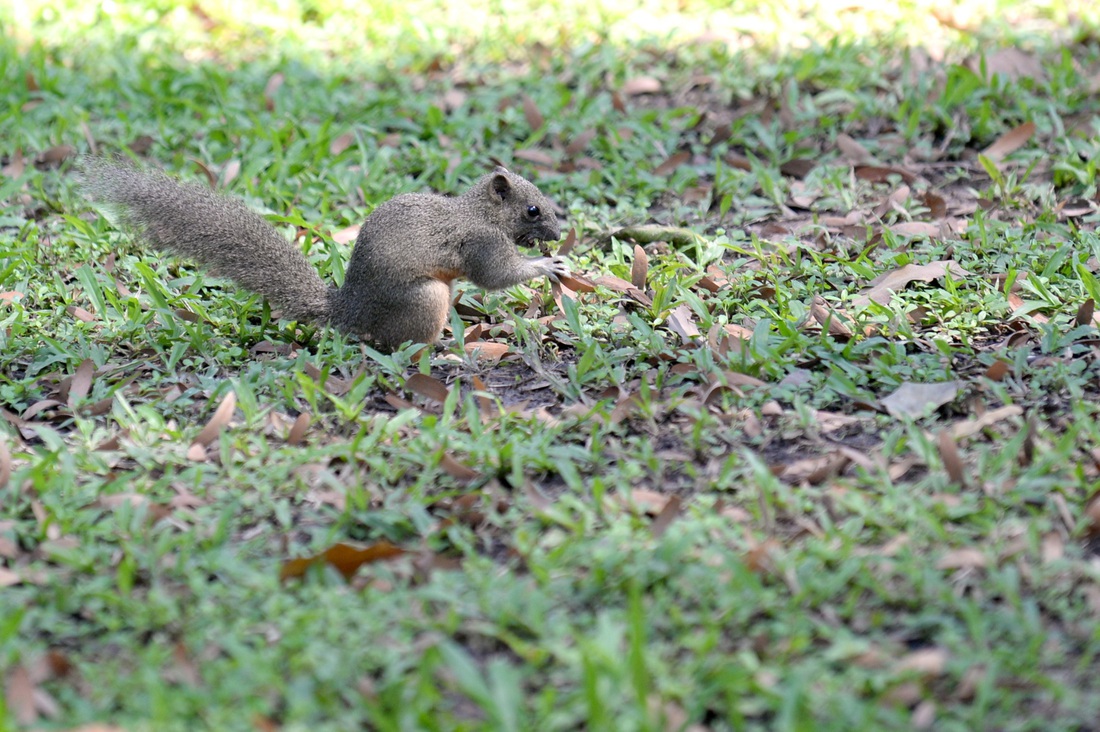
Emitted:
pixel 409 250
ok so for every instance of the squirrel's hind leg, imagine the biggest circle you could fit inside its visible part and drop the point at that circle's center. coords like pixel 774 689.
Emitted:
pixel 417 314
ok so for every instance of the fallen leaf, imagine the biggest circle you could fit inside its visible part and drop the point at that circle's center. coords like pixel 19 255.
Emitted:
pixel 1012 64
pixel 997 370
pixel 952 463
pixel 925 661
pixel 852 150
pixel 538 157
pixel 915 400
pixel 1010 141
pixel 273 83
pixel 80 314
pixel 298 429
pixel 966 558
pixel 230 172
pixel 649 501
pixel 9 577
pixel 1085 312
pixel 345 558
pixel 917 228
pixel 835 319
pixel 19 692
pixel 56 155
pixel 221 418
pixel 457 470
pixel 5 463
pixel 968 427
pixel 341 143
pixel 885 285
pixel 673 162
pixel 665 518
pixel 532 113
pixel 641 85
pixel 346 235
pixel 570 242
pixel 487 350
pixel 82 382
pixel 154 511
pixel 427 387
pixel 640 268
pixel 580 142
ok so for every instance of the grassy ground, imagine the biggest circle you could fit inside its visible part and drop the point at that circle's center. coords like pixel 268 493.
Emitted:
pixel 817 455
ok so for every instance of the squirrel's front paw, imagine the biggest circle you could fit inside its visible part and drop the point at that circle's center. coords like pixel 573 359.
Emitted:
pixel 554 267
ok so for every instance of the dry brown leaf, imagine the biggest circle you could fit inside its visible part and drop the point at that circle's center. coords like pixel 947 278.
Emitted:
pixel 925 661
pixel 937 204
pixel 580 142
pixel 882 173
pixel 681 321
pixel 997 370
pixel 19 693
pixel 968 427
pixel 917 228
pixel 577 283
pixel 154 511
pixel 345 558
pixel 1016 302
pixel 56 155
pixel 41 406
pixel 649 501
pixel 341 143
pixel 570 242
pixel 221 418
pixel 1085 312
pixel 641 85
pixel 883 286
pixel 665 518
pixel 10 296
pixel 273 83
pixel 673 162
pixel 487 350
pixel 835 319
pixel 952 463
pixel 531 112
pixel 538 157
pixel 852 150
pixel 230 172
pixel 640 268
pixel 5 462
pixel 9 577
pixel 457 470
pixel 82 382
pixel 966 558
pixel 1010 142
pixel 612 282
pixel 1012 64
pixel 298 429
pixel 914 400
pixel 80 314
pixel 346 235
pixel 427 387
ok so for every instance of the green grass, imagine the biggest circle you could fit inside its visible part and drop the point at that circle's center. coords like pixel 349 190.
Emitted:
pixel 828 565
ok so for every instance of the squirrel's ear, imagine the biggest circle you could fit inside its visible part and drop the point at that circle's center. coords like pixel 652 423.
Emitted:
pixel 500 185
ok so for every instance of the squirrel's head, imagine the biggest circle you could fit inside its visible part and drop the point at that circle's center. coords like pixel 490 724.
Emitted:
pixel 519 207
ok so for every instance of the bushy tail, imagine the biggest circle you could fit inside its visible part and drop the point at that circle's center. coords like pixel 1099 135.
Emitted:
pixel 217 231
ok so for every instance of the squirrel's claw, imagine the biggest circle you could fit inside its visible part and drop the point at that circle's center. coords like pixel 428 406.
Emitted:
pixel 555 267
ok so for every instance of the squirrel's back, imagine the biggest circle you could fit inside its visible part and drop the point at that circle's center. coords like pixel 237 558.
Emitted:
pixel 217 231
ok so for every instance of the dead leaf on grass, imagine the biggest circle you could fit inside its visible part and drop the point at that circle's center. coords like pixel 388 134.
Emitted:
pixel 925 662
pixel 835 319
pixel 345 558
pixel 965 558
pixel 681 321
pixel 882 287
pixel 952 463
pixel 665 518
pixel 428 387
pixel 673 162
pixel 80 314
pixel 1010 142
pixel 531 112
pixel 457 470
pixel 81 383
pixel 640 268
pixel 915 400
pixel 969 427
pixel 341 143
pixel 153 511
pixel 1085 313
pixel 641 85
pixel 271 87
pixel 221 418
pixel 19 693
pixel 570 242
pixel 852 150
pixel 5 463
pixel 917 229
pixel 997 370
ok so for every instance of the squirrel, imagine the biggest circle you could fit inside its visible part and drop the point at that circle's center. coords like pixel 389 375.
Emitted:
pixel 410 249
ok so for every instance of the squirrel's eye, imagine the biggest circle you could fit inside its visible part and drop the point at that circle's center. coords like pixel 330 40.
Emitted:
pixel 533 211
